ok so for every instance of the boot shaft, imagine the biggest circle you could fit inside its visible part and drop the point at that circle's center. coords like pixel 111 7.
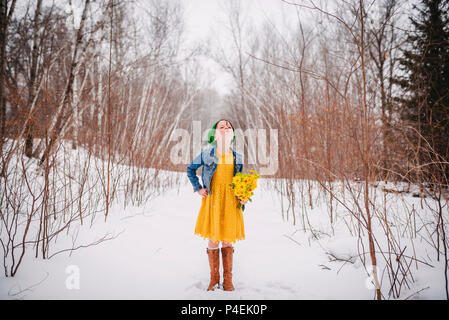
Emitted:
pixel 214 259
pixel 214 263
pixel 227 256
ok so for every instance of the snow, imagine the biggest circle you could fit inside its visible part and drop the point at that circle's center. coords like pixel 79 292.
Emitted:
pixel 155 255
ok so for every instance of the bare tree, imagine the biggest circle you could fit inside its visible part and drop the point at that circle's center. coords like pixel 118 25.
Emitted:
pixel 57 123
pixel 6 12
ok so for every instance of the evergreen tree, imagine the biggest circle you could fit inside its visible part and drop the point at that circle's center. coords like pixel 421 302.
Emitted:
pixel 425 103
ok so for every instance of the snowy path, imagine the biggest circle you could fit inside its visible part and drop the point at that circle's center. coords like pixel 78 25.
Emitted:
pixel 158 257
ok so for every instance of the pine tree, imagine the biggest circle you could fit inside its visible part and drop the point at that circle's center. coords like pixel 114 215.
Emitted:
pixel 425 100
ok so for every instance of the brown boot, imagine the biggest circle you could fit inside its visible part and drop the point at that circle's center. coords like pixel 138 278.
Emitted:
pixel 214 263
pixel 226 254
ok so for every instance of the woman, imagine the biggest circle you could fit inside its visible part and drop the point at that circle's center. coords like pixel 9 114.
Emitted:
pixel 219 219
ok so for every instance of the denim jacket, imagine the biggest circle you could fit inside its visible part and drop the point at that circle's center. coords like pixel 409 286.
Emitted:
pixel 208 159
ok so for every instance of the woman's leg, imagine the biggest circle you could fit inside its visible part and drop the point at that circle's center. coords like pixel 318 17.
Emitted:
pixel 214 263
pixel 227 251
pixel 212 244
pixel 225 244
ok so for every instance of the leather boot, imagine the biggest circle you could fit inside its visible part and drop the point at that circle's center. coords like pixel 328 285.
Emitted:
pixel 214 263
pixel 226 254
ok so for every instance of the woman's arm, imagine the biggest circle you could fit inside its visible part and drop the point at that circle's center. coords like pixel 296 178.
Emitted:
pixel 191 172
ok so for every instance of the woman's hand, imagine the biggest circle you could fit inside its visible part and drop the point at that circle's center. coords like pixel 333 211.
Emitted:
pixel 242 202
pixel 203 192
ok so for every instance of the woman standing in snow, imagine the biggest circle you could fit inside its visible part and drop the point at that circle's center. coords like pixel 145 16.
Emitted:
pixel 219 219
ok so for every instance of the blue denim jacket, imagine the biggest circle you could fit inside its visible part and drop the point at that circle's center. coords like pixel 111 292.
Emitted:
pixel 208 159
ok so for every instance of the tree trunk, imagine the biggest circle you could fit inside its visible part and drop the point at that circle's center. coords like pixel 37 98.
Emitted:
pixel 32 83
pixel 56 129
pixel 5 17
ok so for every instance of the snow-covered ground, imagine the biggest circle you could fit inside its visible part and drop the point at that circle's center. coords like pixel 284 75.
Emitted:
pixel 157 256
pixel 154 253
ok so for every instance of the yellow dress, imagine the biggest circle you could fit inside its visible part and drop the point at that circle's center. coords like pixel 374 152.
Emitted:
pixel 219 219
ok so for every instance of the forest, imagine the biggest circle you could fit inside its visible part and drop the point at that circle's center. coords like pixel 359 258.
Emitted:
pixel 344 107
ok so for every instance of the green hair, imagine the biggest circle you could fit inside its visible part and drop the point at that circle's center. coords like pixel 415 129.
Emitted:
pixel 211 134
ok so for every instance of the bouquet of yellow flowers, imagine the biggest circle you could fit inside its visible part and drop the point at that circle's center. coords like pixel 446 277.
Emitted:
pixel 244 185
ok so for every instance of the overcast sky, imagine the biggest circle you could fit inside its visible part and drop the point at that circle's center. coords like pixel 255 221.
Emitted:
pixel 205 18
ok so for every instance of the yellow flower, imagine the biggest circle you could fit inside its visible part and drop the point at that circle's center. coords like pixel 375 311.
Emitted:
pixel 244 184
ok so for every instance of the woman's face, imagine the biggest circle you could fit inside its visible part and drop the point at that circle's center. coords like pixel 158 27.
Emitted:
pixel 224 132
